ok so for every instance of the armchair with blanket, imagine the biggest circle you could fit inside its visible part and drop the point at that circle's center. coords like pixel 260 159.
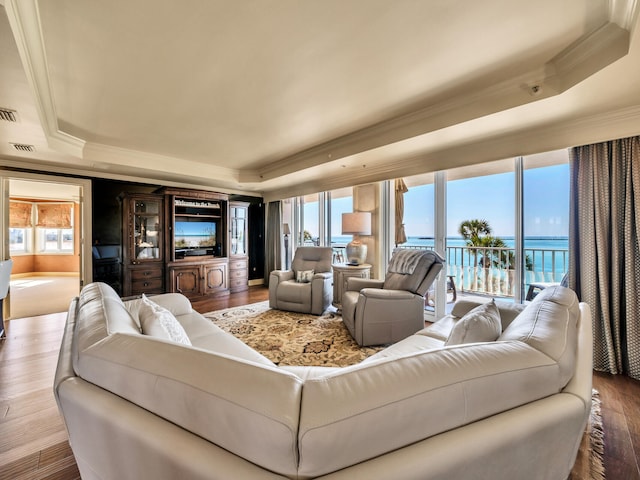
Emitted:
pixel 378 312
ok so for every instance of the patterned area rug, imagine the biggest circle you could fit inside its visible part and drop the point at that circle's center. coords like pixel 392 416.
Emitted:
pixel 288 338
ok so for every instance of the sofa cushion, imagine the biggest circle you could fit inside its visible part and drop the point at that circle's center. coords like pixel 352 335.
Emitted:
pixel 508 310
pixel 550 324
pixel 159 322
pixel 411 344
pixel 248 409
pixel 482 324
pixel 294 292
pixel 100 312
pixel 369 409
pixel 204 334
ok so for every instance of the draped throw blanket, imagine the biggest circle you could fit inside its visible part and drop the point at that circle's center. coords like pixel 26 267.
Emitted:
pixel 604 252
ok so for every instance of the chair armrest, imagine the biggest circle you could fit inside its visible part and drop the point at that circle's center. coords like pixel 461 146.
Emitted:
pixel 355 284
pixel 323 275
pixel 283 275
pixel 379 293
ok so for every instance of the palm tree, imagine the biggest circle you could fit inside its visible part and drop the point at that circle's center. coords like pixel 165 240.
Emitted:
pixel 473 231
pixel 477 233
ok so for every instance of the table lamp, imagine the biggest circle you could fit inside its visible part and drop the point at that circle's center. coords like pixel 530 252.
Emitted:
pixel 356 223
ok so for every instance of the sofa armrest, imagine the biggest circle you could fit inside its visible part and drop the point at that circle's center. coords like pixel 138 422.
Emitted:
pixel 355 284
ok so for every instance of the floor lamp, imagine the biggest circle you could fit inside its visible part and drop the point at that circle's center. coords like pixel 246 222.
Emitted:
pixel 287 232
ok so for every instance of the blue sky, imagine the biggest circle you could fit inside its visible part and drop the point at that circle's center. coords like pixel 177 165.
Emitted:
pixel 546 204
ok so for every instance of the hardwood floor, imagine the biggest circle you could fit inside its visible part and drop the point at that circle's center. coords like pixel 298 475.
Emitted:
pixel 33 441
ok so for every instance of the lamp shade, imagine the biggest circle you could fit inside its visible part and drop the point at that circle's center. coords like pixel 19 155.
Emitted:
pixel 285 229
pixel 356 223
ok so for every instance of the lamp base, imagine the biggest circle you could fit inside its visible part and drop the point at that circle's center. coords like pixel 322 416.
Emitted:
pixel 356 252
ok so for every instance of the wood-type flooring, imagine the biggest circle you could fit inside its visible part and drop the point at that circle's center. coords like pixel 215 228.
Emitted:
pixel 33 441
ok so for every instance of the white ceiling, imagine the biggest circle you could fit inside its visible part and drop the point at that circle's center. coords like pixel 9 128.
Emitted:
pixel 285 97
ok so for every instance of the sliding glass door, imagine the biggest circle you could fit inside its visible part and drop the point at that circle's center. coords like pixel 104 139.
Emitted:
pixel 502 226
pixel 481 256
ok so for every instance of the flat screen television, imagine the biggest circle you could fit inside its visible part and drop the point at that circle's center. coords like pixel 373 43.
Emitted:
pixel 194 234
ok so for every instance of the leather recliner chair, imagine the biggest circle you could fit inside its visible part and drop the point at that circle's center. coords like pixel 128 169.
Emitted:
pixel 308 286
pixel 378 312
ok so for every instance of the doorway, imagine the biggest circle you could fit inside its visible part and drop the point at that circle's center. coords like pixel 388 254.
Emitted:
pixel 45 228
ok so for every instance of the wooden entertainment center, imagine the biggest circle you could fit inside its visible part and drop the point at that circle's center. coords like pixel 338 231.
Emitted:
pixel 187 241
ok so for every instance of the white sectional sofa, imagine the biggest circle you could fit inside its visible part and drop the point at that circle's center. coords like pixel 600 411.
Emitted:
pixel 140 406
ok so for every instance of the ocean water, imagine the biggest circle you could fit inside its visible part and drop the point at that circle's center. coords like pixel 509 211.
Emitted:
pixel 549 256
pixel 553 243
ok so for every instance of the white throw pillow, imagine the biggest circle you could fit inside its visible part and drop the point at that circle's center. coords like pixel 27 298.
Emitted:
pixel 304 276
pixel 482 324
pixel 159 322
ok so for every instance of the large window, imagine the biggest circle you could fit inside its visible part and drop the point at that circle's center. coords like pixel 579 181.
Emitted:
pixel 20 227
pixel 310 234
pixel 340 201
pixel 55 240
pixel 41 227
pixel 19 240
pixel 481 228
pixel 545 219
pixel 502 226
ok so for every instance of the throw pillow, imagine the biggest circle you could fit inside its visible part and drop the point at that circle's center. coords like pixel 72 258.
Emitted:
pixel 159 322
pixel 482 324
pixel 304 276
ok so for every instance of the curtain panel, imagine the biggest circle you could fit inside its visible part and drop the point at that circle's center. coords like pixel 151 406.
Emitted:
pixel 54 215
pixel 20 214
pixel 604 253
pixel 273 240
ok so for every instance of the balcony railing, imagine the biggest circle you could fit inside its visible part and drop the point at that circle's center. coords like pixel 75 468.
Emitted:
pixel 491 270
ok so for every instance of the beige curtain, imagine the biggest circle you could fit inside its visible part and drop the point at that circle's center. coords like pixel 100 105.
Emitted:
pixel 54 215
pixel 401 189
pixel 604 253
pixel 20 214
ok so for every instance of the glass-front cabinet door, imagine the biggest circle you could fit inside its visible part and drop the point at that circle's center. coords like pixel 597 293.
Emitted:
pixel 238 229
pixel 147 229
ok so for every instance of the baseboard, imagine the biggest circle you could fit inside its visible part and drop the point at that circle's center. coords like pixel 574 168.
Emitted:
pixel 45 274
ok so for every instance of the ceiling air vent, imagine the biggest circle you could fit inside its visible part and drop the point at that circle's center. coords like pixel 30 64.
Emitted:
pixel 8 115
pixel 22 147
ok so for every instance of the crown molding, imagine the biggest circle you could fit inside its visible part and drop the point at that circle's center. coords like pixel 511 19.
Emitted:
pixel 561 134
pixel 24 18
pixel 478 97
pixel 106 155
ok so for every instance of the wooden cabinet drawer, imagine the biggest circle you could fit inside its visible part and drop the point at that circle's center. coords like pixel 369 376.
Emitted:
pixel 149 285
pixel 238 282
pixel 238 264
pixel 146 274
pixel 238 274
